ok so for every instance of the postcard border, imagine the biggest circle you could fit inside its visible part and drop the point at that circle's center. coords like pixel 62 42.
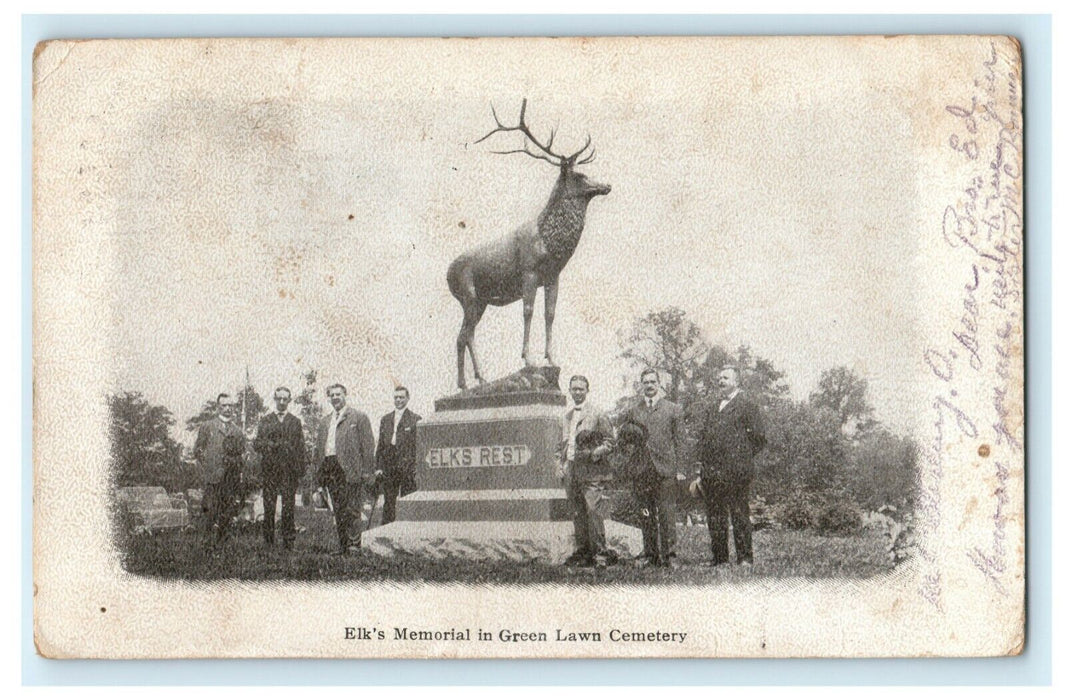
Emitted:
pixel 1032 667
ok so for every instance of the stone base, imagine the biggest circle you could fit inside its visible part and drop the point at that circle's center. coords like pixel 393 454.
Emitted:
pixel 527 387
pixel 548 542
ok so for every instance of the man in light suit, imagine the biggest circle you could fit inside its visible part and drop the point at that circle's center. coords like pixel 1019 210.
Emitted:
pixel 731 437
pixel 395 455
pixel 344 453
pixel 656 490
pixel 280 442
pixel 219 452
pixel 587 473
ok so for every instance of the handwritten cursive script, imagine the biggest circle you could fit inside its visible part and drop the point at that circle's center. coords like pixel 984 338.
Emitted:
pixel 983 226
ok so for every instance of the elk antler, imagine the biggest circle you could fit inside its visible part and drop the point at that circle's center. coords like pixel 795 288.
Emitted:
pixel 546 149
pixel 587 159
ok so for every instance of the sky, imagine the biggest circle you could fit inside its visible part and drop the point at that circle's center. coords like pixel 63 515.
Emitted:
pixel 294 206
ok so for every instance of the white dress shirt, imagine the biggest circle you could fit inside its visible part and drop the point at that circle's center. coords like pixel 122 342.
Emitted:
pixel 575 418
pixel 331 436
pixel 397 416
pixel 726 400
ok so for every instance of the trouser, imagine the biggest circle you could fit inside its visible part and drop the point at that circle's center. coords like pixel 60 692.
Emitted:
pixel 222 501
pixel 728 500
pixel 285 485
pixel 657 500
pixel 592 507
pixel 398 482
pixel 347 497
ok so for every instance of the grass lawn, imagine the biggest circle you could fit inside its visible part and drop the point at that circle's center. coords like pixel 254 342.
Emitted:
pixel 243 556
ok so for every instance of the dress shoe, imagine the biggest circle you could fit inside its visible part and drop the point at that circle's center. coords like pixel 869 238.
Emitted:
pixel 578 559
pixel 608 558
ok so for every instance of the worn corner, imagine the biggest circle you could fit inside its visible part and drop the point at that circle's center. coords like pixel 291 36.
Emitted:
pixel 45 648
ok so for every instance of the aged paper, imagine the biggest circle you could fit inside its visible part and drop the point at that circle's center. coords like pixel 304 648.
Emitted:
pixel 816 243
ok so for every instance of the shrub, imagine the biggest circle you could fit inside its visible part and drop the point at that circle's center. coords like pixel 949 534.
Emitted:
pixel 826 512
pixel 839 515
pixel 799 511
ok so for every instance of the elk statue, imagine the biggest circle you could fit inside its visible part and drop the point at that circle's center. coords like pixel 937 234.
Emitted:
pixel 510 268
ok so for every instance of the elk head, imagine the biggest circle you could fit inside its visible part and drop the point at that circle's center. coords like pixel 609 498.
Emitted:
pixel 571 184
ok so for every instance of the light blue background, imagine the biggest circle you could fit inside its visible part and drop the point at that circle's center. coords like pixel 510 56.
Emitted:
pixel 1032 667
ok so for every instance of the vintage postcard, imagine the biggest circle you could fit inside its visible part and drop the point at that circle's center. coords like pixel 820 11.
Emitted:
pixel 614 347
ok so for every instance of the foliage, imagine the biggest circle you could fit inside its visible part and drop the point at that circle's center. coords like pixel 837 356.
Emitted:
pixel 883 470
pixel 311 415
pixel 826 457
pixel 832 512
pixel 142 451
pixel 843 392
pixel 668 342
pixel 839 514
pixel 805 451
pixel 797 511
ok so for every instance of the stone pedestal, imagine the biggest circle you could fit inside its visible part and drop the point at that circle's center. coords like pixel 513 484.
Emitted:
pixel 487 487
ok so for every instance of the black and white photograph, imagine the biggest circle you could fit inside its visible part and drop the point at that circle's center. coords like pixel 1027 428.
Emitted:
pixel 606 347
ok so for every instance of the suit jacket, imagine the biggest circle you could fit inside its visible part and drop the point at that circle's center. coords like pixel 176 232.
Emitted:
pixel 730 440
pixel 665 425
pixel 208 447
pixel 401 456
pixel 584 466
pixel 355 444
pixel 281 445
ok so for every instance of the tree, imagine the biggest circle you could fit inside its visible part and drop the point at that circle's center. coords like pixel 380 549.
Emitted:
pixel 805 451
pixel 843 392
pixel 884 470
pixel 310 409
pixel 668 342
pixel 142 451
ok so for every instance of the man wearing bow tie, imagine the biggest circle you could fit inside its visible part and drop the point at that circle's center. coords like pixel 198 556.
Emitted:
pixel 656 490
pixel 344 452
pixel 732 435
pixel 280 442
pixel 586 472
pixel 395 455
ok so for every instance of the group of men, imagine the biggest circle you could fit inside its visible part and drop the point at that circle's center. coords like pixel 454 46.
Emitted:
pixel 644 454
pixel 594 460
pixel 350 470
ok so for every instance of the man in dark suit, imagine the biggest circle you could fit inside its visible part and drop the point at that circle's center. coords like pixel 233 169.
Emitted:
pixel 344 452
pixel 395 455
pixel 732 435
pixel 280 442
pixel 656 491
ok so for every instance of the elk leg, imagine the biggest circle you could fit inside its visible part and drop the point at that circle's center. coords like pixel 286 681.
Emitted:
pixel 551 294
pixel 478 311
pixel 460 353
pixel 472 312
pixel 529 297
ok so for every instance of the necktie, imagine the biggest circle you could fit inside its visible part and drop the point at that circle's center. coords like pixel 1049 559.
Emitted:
pixel 648 401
